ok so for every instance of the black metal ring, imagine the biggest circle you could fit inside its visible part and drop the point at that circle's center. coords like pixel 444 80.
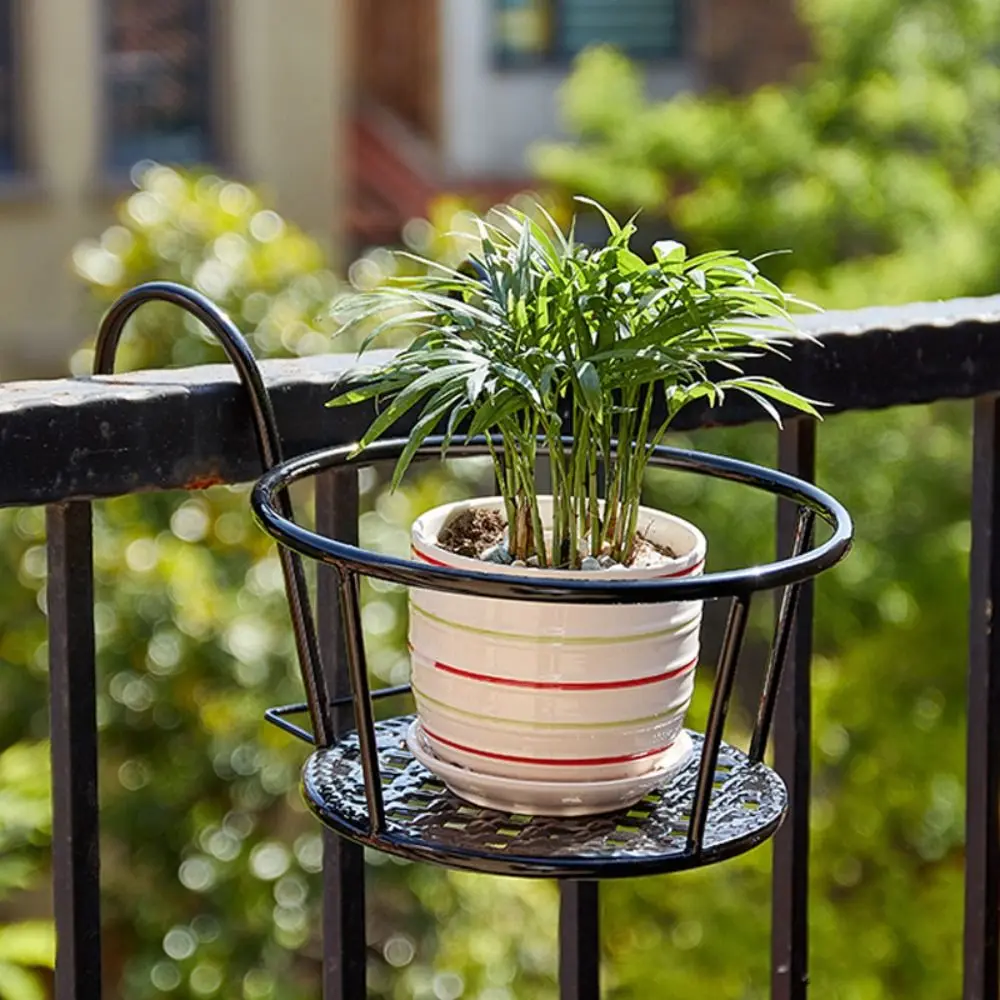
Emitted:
pixel 352 559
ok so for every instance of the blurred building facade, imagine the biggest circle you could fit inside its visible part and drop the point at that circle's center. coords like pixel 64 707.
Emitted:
pixel 89 87
pixel 449 94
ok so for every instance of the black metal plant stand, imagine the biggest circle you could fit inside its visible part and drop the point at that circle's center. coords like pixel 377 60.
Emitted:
pixel 367 787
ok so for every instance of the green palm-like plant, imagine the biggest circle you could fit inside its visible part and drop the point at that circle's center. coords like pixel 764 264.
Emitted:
pixel 540 335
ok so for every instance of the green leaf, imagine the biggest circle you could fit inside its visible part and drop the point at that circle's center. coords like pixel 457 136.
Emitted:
pixel 630 262
pixel 557 233
pixel 359 394
pixel 457 415
pixel 613 225
pixel 474 382
pixel 432 415
pixel 769 387
pixel 407 399
pixel 520 379
pixel 589 384
pixel 669 251
pixel 547 381
pixel 496 411
pixel 763 403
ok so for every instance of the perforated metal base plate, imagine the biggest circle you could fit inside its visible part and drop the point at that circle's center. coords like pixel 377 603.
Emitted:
pixel 425 821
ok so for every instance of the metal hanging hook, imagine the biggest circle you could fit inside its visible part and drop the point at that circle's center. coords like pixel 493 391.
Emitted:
pixel 269 447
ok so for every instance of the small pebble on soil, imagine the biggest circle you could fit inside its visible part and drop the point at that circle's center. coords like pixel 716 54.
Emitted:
pixel 482 534
pixel 496 554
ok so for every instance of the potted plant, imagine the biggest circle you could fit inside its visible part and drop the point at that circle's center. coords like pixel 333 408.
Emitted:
pixel 560 709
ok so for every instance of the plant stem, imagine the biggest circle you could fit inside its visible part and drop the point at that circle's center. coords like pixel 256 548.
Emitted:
pixel 615 486
pixel 637 470
pixel 595 510
pixel 503 481
pixel 581 430
pixel 562 511
pixel 530 484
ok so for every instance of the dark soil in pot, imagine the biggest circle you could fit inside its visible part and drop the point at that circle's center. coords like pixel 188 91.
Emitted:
pixel 476 533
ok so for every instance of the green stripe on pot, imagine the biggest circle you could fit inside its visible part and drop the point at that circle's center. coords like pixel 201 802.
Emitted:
pixel 483 717
pixel 599 640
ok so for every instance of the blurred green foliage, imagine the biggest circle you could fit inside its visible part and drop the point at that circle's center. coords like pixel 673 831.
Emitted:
pixel 878 164
pixel 210 862
pixel 26 945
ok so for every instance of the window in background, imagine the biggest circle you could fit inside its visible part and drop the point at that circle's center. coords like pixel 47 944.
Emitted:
pixel 522 30
pixel 8 91
pixel 533 31
pixel 158 82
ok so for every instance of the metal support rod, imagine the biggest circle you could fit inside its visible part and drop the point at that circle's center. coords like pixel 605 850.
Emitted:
pixel 350 609
pixel 579 941
pixel 792 735
pixel 337 512
pixel 787 604
pixel 982 820
pixel 344 943
pixel 277 715
pixel 75 827
pixel 725 674
pixel 265 427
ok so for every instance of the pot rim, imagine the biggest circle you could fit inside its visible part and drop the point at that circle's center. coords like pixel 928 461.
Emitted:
pixel 423 536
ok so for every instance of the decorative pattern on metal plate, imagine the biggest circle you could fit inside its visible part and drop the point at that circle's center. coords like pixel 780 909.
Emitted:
pixel 424 819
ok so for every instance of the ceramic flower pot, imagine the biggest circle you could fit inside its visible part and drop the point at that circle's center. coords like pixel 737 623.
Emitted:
pixel 553 695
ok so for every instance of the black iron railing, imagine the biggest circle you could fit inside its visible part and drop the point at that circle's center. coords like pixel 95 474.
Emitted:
pixel 190 429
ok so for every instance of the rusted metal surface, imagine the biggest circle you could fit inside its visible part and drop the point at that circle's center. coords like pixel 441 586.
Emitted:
pixel 80 438
pixel 203 482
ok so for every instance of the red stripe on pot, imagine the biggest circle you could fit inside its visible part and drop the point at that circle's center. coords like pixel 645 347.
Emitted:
pixel 683 572
pixel 665 576
pixel 548 761
pixel 564 685
pixel 428 559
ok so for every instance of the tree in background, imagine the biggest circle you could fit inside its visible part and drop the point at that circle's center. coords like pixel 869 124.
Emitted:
pixel 878 169
pixel 878 164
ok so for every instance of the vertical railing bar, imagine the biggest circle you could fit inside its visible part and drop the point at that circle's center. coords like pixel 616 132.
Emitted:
pixel 350 607
pixel 725 674
pixel 344 942
pixel 579 941
pixel 792 752
pixel 982 823
pixel 787 604
pixel 337 513
pixel 75 825
pixel 579 916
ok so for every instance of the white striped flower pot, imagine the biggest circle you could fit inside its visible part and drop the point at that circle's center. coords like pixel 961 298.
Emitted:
pixel 560 693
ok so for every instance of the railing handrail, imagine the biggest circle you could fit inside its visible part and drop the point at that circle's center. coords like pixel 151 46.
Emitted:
pixel 162 429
